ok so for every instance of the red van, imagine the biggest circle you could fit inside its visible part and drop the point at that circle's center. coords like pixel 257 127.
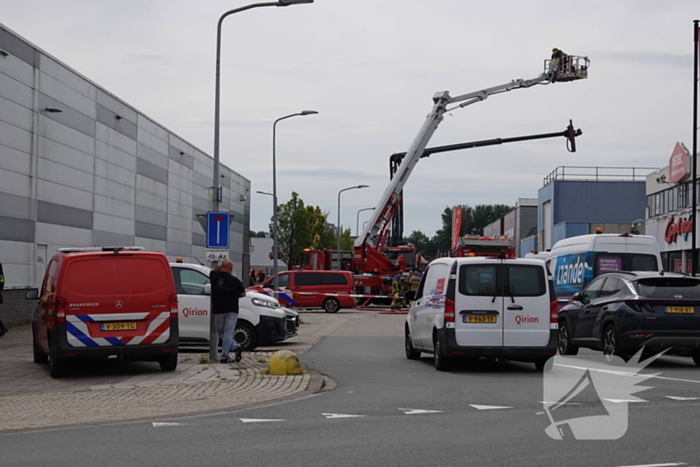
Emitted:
pixel 330 290
pixel 97 302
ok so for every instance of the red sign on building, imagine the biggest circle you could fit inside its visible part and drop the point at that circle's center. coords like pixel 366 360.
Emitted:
pixel 678 163
pixel 684 226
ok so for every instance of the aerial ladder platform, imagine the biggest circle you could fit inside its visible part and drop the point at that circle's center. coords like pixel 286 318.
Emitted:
pixel 368 257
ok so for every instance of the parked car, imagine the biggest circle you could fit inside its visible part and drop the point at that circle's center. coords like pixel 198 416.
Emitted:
pixel 621 312
pixel 97 302
pixel 483 307
pixel 261 319
pixel 330 290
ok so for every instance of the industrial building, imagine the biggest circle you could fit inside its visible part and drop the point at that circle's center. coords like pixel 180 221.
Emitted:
pixel 79 167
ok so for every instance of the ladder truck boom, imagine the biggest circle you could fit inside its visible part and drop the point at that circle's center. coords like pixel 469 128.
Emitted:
pixel 370 242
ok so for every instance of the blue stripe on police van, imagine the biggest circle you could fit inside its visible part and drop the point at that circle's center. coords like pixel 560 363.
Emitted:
pixel 113 340
pixel 77 333
pixel 287 299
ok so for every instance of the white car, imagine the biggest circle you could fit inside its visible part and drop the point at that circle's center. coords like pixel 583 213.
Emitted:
pixel 483 307
pixel 261 319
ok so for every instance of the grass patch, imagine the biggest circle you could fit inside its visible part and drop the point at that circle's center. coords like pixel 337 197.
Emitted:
pixel 239 368
pixel 262 360
pixel 205 361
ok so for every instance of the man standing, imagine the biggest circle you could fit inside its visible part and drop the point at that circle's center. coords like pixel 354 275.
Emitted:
pixel 225 292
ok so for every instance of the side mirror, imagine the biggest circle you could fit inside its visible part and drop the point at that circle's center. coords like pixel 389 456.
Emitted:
pixel 207 289
pixel 580 297
pixel 32 294
pixel 410 295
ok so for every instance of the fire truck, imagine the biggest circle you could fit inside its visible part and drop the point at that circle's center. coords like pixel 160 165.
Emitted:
pixel 483 246
pixel 374 260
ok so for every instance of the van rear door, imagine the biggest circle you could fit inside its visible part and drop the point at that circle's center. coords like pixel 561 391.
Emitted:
pixel 527 309
pixel 118 299
pixel 479 304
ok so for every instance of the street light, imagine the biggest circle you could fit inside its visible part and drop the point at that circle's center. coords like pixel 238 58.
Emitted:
pixel 338 226
pixel 274 189
pixel 357 226
pixel 213 339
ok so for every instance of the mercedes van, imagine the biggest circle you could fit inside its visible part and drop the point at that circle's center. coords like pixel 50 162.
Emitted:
pixel 574 262
pixel 483 307
pixel 330 290
pixel 100 302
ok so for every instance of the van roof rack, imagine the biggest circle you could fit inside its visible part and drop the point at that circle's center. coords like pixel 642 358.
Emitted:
pixel 115 249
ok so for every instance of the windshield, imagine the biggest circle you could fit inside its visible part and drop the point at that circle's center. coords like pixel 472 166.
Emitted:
pixel 676 287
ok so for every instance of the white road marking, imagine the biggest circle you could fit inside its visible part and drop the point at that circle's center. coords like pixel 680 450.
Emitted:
pixel 620 401
pixel 488 407
pixel 340 415
pixel 656 465
pixel 258 420
pixel 418 411
pixel 625 373
pixel 163 424
pixel 562 403
pixel 539 413
pixel 677 398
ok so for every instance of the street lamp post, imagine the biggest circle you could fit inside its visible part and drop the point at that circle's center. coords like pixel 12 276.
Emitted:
pixel 213 339
pixel 338 230
pixel 357 225
pixel 274 190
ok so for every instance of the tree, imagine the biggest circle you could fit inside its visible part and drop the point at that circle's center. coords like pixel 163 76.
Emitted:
pixel 293 229
pixel 473 222
pixel 424 245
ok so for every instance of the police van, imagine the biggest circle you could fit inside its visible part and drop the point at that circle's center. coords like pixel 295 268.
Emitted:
pixel 574 262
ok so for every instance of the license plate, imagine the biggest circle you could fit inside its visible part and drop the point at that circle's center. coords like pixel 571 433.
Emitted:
pixel 480 319
pixel 685 310
pixel 131 326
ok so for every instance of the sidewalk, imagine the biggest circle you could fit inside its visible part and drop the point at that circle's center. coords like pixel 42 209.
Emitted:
pixel 112 391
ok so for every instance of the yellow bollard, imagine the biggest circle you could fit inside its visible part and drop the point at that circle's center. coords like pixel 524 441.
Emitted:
pixel 285 362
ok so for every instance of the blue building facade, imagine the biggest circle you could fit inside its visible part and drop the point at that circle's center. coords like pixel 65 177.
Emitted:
pixel 612 199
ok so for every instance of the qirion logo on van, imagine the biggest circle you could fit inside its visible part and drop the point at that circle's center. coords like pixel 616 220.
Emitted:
pixel 571 273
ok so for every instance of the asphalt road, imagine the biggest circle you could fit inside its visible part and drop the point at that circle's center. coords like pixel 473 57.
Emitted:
pixel 378 386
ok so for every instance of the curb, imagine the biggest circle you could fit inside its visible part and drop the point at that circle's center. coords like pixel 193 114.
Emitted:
pixel 316 385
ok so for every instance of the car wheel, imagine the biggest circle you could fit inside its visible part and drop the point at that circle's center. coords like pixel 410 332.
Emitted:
pixel 39 356
pixel 168 363
pixel 564 344
pixel 246 336
pixel 610 343
pixel 57 365
pixel 442 363
pixel 331 305
pixel 411 353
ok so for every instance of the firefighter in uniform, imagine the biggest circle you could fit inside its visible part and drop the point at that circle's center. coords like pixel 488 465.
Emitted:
pixel 396 292
pixel 413 283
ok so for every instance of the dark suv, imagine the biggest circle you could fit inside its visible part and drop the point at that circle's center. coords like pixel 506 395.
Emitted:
pixel 621 312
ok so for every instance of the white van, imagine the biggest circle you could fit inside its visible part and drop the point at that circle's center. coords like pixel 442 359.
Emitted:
pixel 574 262
pixel 261 319
pixel 483 307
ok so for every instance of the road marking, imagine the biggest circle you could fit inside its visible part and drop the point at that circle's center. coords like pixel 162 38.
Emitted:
pixel 656 465
pixel 620 401
pixel 258 420
pixel 418 411
pixel 488 407
pixel 677 398
pixel 539 413
pixel 340 415
pixel 625 373
pixel 164 424
pixel 562 403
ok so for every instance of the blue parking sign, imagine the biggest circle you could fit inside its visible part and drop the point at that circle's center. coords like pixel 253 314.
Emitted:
pixel 217 229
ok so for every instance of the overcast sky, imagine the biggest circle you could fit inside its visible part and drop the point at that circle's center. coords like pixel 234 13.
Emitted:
pixel 370 68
